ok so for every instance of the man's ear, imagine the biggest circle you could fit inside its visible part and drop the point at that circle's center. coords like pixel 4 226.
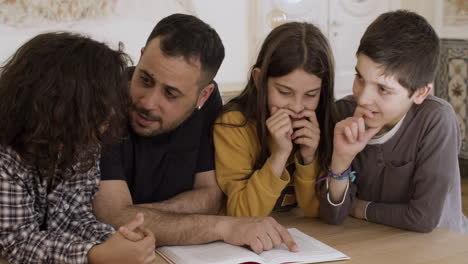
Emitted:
pixel 422 93
pixel 256 72
pixel 204 95
pixel 141 54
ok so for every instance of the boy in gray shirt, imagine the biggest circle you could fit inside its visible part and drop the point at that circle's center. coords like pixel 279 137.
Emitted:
pixel 397 141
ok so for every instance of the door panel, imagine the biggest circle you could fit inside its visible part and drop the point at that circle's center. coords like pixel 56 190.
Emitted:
pixel 348 19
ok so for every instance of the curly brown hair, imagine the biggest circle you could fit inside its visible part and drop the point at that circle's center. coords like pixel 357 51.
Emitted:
pixel 63 97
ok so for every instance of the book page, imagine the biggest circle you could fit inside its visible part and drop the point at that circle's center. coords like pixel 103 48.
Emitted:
pixel 212 253
pixel 310 250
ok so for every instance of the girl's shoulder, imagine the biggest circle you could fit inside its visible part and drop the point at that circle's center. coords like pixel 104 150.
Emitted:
pixel 234 117
pixel 234 124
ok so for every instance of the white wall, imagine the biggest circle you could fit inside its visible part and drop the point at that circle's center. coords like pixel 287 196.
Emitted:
pixel 131 23
pixel 241 24
pixel 425 8
pixel 433 10
pixel 134 20
pixel 231 20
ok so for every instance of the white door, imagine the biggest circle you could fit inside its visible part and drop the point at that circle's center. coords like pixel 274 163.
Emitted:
pixel 348 19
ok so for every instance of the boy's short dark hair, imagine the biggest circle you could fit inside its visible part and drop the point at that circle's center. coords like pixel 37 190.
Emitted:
pixel 406 45
pixel 189 37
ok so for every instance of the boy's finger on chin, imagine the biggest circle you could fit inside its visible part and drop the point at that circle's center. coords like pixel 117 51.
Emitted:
pixel 373 130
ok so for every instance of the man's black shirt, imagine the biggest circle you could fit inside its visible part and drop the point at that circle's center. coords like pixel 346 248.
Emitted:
pixel 160 167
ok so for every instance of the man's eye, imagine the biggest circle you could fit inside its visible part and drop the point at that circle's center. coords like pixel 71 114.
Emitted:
pixel 169 94
pixel 146 81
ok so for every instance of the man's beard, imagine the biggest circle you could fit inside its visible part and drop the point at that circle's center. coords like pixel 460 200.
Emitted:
pixel 164 127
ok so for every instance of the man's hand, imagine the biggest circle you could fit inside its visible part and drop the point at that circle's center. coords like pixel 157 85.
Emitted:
pixel 307 135
pixel 259 233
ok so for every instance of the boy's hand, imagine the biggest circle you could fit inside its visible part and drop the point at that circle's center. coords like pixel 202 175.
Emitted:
pixel 358 209
pixel 351 137
pixel 307 135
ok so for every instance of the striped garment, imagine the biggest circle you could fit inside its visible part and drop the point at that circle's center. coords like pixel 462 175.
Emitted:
pixel 37 226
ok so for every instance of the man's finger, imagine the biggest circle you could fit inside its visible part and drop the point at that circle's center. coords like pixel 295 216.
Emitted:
pixel 266 241
pixel 256 246
pixel 287 239
pixel 275 237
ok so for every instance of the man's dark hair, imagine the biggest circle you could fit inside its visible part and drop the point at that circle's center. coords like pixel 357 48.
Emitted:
pixel 58 94
pixel 406 45
pixel 189 37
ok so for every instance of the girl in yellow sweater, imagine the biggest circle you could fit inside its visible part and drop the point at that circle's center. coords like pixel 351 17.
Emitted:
pixel 274 140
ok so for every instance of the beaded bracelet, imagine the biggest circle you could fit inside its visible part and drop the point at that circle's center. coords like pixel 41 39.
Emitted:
pixel 346 174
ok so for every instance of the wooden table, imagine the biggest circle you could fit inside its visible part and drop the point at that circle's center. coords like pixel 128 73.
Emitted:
pixel 369 243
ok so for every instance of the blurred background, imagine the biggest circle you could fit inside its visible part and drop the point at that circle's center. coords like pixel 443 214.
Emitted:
pixel 242 25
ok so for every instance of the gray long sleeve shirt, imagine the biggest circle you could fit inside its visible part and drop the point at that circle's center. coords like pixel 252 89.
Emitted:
pixel 413 179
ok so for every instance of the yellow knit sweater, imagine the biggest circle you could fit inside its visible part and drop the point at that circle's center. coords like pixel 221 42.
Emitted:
pixel 236 151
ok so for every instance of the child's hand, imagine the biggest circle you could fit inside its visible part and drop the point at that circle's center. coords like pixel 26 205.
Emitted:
pixel 351 137
pixel 280 127
pixel 133 230
pixel 118 249
pixel 358 209
pixel 307 135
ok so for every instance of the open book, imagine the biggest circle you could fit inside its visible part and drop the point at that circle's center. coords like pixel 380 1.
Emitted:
pixel 310 251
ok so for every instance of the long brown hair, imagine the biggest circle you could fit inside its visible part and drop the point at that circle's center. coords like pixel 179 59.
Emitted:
pixel 289 47
pixel 58 92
